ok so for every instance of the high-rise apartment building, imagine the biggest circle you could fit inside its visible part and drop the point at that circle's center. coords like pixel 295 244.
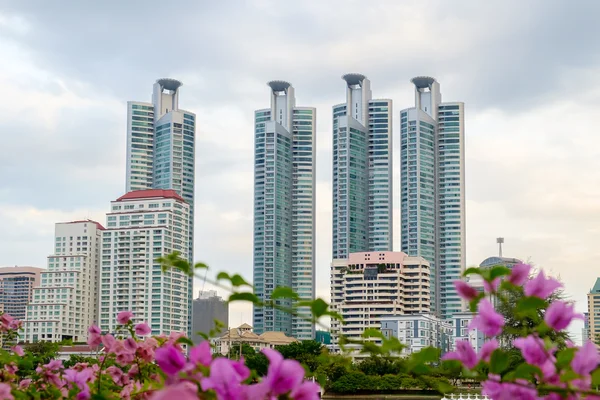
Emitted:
pixel 161 151
pixel 142 226
pixel 16 289
pixel 284 208
pixel 362 171
pixel 65 304
pixel 369 286
pixel 432 189
pixel 593 314
pixel 207 308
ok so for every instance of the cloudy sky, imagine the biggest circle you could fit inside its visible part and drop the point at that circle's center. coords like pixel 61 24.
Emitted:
pixel 528 72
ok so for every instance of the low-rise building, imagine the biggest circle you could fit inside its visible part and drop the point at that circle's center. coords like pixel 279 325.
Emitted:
pixel 244 335
pixel 369 286
pixel 418 331
pixel 460 331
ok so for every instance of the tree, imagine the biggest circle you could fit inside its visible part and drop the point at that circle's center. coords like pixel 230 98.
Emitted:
pixel 378 365
pixel 515 325
pixel 305 352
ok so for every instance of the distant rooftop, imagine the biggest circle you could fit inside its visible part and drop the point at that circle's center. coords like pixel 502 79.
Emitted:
pixel 493 261
pixel 596 288
pixel 354 78
pixel 279 86
pixel 98 224
pixel 422 82
pixel 151 193
pixel 169 84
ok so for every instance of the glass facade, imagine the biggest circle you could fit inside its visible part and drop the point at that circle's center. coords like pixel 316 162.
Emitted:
pixel 362 172
pixel 284 203
pixel 432 190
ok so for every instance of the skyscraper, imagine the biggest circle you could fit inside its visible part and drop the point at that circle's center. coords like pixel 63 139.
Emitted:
pixel 16 288
pixel 284 207
pixel 432 189
pixel 161 150
pixel 362 171
pixel 142 226
pixel 65 304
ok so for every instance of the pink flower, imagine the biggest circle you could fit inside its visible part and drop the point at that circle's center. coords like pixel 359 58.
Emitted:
pixel 306 391
pixel 491 287
pixel 533 350
pixel 182 391
pixel 283 376
pixel 487 320
pixel 519 274
pixel 464 353
pixel 94 336
pixel 201 354
pixel 130 345
pixel 115 373
pixel 146 348
pixel 18 350
pixel 586 359
pixel 225 380
pixel 5 392
pixel 487 349
pixel 465 291
pixel 541 287
pixel 15 325
pixel 170 360
pixel 559 315
pixel 109 341
pixel 24 384
pixel 124 317
pixel 142 329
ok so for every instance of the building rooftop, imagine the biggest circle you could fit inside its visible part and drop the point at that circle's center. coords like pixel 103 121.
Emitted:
pixel 354 78
pixel 493 261
pixel 150 194
pixel 422 82
pixel 169 84
pixel 279 86
pixel 98 224
pixel 596 288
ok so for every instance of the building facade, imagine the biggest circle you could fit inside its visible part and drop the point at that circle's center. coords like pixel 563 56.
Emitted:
pixel 593 318
pixel 284 208
pixel 419 331
pixel 161 143
pixel 16 289
pixel 432 189
pixel 207 308
pixel 142 226
pixel 460 331
pixel 244 335
pixel 369 286
pixel 65 304
pixel 362 171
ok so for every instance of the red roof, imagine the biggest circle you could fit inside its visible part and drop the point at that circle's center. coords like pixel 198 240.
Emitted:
pixel 151 193
pixel 98 224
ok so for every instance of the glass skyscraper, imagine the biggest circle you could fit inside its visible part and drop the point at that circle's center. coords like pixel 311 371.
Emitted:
pixel 362 171
pixel 284 208
pixel 432 189
pixel 161 150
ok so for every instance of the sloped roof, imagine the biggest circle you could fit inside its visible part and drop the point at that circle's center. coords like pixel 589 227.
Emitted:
pixel 596 288
pixel 151 193
pixel 244 326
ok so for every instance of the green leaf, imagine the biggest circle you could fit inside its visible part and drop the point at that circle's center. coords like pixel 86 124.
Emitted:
pixel 596 378
pixel 319 308
pixel 530 305
pixel 200 266
pixel 428 354
pixel 373 332
pixel 244 296
pixel 498 362
pixel 223 275
pixel 568 376
pixel 237 280
pixel 185 340
pixel 472 270
pixel 444 387
pixel 283 292
pixel 564 357
pixel 497 271
pixel 526 371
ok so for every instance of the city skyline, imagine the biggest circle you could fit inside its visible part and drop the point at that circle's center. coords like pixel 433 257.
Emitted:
pixel 530 146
